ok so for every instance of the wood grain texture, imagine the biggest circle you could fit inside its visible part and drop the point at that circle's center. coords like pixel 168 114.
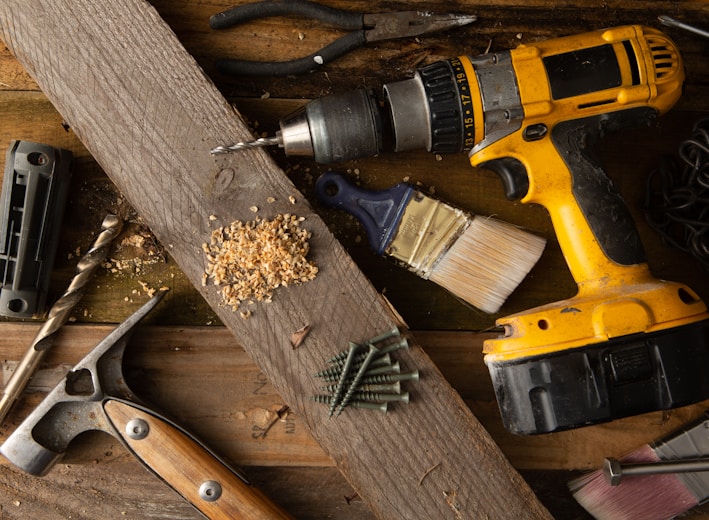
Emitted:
pixel 121 488
pixel 149 115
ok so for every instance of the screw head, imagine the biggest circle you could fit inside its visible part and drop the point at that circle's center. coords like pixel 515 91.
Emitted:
pixel 210 491
pixel 137 429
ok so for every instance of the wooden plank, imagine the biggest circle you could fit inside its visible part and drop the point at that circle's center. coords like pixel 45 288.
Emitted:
pixel 127 490
pixel 178 369
pixel 148 115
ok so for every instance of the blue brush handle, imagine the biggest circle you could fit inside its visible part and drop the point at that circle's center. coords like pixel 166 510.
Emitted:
pixel 378 211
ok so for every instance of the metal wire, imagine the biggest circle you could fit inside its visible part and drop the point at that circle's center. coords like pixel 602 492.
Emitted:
pixel 677 196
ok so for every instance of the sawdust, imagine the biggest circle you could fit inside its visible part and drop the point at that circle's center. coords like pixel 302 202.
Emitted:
pixel 248 261
pixel 134 252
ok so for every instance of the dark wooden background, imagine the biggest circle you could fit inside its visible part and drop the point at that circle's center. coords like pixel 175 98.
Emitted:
pixel 225 399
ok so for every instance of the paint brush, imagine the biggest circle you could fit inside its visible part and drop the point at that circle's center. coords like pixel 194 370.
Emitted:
pixel 646 490
pixel 480 260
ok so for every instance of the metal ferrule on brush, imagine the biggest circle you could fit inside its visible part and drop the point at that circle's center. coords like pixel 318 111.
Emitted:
pixel 426 231
pixel 690 443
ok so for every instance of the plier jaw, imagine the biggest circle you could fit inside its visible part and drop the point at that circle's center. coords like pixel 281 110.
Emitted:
pixel 407 24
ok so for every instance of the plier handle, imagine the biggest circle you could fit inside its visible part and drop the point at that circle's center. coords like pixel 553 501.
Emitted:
pixel 365 28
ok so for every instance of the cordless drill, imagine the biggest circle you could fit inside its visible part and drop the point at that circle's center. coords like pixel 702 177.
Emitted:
pixel 627 343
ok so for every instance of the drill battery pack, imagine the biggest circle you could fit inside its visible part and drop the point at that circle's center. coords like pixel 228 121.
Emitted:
pixel 625 376
pixel 34 193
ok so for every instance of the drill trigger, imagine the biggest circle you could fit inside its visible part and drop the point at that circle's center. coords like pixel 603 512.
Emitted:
pixel 513 174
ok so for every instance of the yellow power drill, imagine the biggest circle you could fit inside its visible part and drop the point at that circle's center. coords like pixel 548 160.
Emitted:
pixel 627 343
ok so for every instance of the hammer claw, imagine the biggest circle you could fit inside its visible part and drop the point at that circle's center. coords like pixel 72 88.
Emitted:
pixel 74 404
pixel 95 396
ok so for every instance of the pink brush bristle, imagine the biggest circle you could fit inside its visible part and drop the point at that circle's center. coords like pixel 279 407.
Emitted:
pixel 649 497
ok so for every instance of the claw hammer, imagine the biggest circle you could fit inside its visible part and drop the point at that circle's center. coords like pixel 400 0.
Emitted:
pixel 94 396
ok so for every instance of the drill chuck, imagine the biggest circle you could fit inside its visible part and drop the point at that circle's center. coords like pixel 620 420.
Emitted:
pixel 424 112
pixel 334 128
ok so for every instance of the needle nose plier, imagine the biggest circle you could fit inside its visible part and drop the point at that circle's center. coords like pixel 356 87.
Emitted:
pixel 365 28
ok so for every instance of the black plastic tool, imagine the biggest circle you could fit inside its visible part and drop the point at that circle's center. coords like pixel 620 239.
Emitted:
pixel 34 194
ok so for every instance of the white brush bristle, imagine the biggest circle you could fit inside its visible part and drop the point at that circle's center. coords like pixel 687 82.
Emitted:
pixel 487 262
pixel 648 497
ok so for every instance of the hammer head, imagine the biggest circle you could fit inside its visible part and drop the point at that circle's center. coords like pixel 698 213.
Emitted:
pixel 75 405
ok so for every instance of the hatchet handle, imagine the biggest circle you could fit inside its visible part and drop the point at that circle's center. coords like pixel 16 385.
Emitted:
pixel 187 466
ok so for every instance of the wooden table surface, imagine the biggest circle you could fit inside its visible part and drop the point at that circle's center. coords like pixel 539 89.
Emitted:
pixel 193 368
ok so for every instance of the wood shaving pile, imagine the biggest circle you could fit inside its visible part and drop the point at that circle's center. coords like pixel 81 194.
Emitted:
pixel 250 260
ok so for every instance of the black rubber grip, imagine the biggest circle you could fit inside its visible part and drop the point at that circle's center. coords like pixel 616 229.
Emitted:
pixel 605 211
pixel 268 8
pixel 339 47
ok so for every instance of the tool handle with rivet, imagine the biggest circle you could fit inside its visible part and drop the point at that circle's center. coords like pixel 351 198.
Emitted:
pixel 616 470
pixel 59 313
pixel 187 466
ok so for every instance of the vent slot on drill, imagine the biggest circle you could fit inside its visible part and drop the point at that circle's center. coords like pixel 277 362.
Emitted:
pixel 664 56
pixel 633 61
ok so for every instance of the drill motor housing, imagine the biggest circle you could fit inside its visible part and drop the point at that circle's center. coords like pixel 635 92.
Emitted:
pixel 627 343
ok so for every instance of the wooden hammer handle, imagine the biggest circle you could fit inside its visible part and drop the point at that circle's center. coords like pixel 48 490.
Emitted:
pixel 187 466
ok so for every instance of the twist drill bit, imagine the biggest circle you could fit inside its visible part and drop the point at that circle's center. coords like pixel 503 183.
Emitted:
pixel 59 313
pixel 257 143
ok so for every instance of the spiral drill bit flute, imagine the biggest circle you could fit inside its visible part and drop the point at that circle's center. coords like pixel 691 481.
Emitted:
pixel 59 313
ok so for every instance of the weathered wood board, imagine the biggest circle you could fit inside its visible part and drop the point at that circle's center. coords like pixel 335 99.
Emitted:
pixel 149 116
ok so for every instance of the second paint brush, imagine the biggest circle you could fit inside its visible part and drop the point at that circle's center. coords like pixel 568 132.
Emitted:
pixel 478 259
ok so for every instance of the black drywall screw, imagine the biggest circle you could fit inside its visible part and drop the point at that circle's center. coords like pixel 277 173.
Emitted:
pixel 354 403
pixel 343 377
pixel 388 334
pixel 389 388
pixel 373 351
pixel 395 368
pixel 377 396
pixel 390 378
pixel 336 371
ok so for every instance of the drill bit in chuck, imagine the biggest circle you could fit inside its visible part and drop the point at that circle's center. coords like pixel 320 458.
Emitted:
pixel 257 143
pixel 334 128
pixel 59 313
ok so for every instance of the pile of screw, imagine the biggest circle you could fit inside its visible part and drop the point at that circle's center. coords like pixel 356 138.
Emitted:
pixel 364 376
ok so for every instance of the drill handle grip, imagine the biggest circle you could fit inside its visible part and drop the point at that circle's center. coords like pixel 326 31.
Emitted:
pixel 562 172
pixel 602 206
